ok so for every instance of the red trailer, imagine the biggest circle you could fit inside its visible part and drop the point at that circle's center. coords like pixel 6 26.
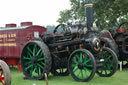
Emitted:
pixel 12 39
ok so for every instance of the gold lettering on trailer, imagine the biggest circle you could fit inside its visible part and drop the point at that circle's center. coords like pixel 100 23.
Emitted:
pixel 7 35
pixel 3 36
pixel 13 35
pixel 7 44
pixel 11 40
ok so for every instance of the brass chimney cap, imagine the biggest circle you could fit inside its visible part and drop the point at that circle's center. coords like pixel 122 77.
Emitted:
pixel 88 5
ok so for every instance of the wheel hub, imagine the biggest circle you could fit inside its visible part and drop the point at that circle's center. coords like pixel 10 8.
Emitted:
pixel 34 59
pixel 81 66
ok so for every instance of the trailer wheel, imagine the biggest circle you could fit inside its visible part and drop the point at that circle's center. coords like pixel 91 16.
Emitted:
pixel 5 75
pixel 106 42
pixel 35 60
pixel 110 65
pixel 82 65
pixel 60 71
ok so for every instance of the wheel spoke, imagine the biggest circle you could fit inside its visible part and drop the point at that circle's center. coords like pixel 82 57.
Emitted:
pixel 77 56
pixel 28 62
pixel 87 60
pixel 40 59
pixel 33 72
pixel 85 57
pixel 74 61
pixel 41 54
pixel 82 74
pixel 29 50
pixel 27 58
pixel 34 50
pixel 111 65
pixel 75 69
pixel 78 74
pixel 40 66
pixel 81 57
pixel 106 53
pixel 89 65
pixel 87 69
pixel 29 54
pixel 86 72
pixel 2 73
pixel 39 71
pixel 42 63
pixel 108 66
pixel 38 52
pixel 108 57
pixel 111 61
pixel 28 67
pixel 74 65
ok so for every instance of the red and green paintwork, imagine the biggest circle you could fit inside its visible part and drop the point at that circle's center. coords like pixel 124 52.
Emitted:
pixel 12 39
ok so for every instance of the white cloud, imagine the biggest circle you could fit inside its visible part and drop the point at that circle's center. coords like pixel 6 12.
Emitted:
pixel 41 12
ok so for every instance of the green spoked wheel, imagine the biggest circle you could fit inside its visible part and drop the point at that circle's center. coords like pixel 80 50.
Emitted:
pixel 110 63
pixel 82 65
pixel 35 60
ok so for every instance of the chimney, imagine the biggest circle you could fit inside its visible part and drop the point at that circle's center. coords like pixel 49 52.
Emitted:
pixel 89 15
pixel 10 25
pixel 26 24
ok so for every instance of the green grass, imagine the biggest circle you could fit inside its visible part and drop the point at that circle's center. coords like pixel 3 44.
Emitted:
pixel 119 78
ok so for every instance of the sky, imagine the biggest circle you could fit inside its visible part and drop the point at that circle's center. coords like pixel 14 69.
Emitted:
pixel 40 12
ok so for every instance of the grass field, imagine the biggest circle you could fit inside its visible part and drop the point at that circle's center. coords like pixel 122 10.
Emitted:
pixel 119 78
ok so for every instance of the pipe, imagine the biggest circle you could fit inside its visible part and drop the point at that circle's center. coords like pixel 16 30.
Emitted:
pixel 89 15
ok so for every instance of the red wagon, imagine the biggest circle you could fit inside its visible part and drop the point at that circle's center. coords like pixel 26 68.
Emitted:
pixel 12 39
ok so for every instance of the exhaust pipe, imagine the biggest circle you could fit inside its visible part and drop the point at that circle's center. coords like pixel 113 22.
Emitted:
pixel 89 15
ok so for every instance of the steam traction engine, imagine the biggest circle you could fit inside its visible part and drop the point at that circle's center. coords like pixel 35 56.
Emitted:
pixel 119 37
pixel 68 51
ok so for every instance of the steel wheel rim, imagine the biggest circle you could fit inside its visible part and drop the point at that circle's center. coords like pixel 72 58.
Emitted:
pixel 108 66
pixel 34 61
pixel 81 66
pixel 2 77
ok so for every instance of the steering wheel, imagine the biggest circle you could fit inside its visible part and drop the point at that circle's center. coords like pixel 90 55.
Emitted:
pixel 123 27
pixel 61 29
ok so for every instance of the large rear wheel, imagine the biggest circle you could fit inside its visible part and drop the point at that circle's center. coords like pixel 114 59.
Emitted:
pixel 110 62
pixel 82 65
pixel 35 60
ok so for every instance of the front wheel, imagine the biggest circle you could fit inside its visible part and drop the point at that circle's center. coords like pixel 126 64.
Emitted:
pixel 110 62
pixel 82 65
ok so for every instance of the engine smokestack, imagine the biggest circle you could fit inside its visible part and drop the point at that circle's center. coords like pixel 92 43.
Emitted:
pixel 89 15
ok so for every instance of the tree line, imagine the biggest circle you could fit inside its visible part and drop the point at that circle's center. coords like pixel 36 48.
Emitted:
pixel 107 13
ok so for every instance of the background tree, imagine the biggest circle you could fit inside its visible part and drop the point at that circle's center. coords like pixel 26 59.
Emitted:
pixel 107 13
pixel 50 28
